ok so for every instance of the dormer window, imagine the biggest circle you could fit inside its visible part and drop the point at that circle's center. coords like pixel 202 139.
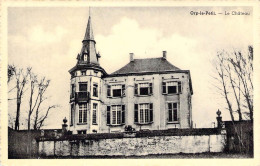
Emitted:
pixel 85 57
pixel 171 87
pixel 144 89
pixel 83 72
pixel 115 90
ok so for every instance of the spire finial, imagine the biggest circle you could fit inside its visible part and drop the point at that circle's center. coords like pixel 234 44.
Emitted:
pixel 89 10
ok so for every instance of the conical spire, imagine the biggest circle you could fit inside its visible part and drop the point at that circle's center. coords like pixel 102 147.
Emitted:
pixel 88 52
pixel 89 32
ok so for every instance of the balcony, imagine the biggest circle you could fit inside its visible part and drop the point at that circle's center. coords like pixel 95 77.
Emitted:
pixel 80 97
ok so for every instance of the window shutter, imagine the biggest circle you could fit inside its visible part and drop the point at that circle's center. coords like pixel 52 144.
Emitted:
pixel 123 90
pixel 179 87
pixel 151 88
pixel 108 90
pixel 164 87
pixel 151 112
pixel 108 115
pixel 136 113
pixel 123 114
pixel 136 89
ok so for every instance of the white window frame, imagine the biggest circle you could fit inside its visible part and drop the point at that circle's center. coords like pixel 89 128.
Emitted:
pixel 144 110
pixel 95 114
pixel 173 111
pixel 117 111
pixel 113 87
pixel 139 84
pixel 82 113
pixel 172 82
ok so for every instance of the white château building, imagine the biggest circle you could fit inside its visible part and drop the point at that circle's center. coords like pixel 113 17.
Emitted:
pixel 148 94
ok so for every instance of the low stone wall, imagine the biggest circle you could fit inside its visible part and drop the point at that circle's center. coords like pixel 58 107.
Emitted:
pixel 162 144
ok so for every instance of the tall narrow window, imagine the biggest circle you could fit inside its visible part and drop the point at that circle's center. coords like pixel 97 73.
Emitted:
pixel 82 113
pixel 173 112
pixel 71 114
pixel 95 89
pixel 144 113
pixel 72 95
pixel 116 114
pixel 94 115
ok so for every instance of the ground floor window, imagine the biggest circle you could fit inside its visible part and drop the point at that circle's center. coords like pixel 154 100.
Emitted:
pixel 116 114
pixel 82 131
pixel 83 113
pixel 172 112
pixel 143 113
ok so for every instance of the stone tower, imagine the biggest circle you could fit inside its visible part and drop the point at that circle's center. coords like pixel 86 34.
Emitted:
pixel 85 87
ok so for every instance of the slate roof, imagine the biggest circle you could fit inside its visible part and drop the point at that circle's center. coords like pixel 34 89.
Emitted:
pixel 153 65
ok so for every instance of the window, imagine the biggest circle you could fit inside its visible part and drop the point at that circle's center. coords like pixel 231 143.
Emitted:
pixel 83 72
pixel 95 89
pixel 143 113
pixel 94 115
pixel 115 90
pixel 173 112
pixel 71 114
pixel 73 89
pixel 85 57
pixel 172 87
pixel 83 87
pixel 82 131
pixel 82 113
pixel 116 115
pixel 143 89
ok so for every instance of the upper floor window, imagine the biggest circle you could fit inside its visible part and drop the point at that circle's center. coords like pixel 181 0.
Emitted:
pixel 143 89
pixel 82 113
pixel 94 115
pixel 143 113
pixel 116 114
pixel 95 89
pixel 172 112
pixel 171 87
pixel 73 90
pixel 83 87
pixel 115 90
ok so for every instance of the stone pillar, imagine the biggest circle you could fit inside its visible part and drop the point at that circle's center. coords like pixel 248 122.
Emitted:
pixel 64 126
pixel 219 119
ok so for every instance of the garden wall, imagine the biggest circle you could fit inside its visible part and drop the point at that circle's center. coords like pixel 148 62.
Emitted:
pixel 137 144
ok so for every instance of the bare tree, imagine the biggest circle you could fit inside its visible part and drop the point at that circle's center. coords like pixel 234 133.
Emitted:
pixel 21 80
pixel 38 88
pixel 35 94
pixel 235 81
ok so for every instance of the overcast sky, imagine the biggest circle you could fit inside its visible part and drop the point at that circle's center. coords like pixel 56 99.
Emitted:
pixel 49 38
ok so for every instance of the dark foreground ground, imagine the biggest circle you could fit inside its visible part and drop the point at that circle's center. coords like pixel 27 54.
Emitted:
pixel 163 156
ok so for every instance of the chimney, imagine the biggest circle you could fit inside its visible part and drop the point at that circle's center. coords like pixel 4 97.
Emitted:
pixel 164 54
pixel 131 57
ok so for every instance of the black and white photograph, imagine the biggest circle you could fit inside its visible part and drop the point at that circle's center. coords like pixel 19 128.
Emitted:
pixel 147 81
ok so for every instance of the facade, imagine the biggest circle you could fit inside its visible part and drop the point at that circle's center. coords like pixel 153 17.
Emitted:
pixel 148 94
